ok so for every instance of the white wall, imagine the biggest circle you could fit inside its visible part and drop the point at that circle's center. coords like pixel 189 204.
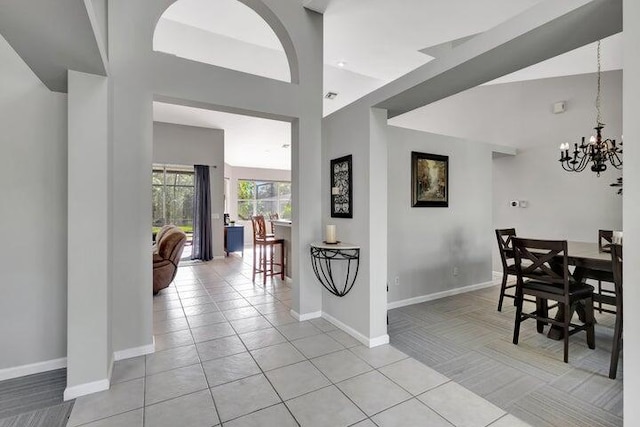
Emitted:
pixel 189 145
pixel 89 353
pixel 235 173
pixel 426 244
pixel 561 205
pixel 33 216
pixel 631 96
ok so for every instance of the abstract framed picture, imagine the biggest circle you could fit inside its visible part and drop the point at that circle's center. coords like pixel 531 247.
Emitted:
pixel 342 187
pixel 429 180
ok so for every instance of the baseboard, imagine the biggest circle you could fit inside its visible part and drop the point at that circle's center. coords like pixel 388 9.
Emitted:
pixel 369 342
pixel 307 316
pixel 32 368
pixel 438 295
pixel 135 352
pixel 86 388
pixel 288 280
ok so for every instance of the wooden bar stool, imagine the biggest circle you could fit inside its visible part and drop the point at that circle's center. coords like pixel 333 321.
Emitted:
pixel 265 246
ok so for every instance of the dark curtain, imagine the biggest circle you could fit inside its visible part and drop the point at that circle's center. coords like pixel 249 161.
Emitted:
pixel 202 237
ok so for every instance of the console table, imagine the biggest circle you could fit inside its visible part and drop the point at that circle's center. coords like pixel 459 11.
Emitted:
pixel 322 256
pixel 234 239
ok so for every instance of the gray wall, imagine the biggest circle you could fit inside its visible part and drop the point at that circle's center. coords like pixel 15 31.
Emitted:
pixel 33 216
pixel 561 205
pixel 189 145
pixel 426 244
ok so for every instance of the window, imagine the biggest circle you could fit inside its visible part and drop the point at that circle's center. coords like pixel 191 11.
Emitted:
pixel 173 189
pixel 263 198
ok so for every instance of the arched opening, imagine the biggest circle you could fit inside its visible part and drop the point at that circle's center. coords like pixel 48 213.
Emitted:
pixel 227 33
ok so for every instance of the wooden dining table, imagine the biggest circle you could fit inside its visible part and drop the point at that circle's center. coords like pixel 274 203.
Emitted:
pixel 589 263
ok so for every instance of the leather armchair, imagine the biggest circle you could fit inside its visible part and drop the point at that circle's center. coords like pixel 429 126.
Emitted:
pixel 166 258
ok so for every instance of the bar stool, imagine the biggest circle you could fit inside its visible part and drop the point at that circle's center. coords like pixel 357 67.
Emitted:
pixel 265 245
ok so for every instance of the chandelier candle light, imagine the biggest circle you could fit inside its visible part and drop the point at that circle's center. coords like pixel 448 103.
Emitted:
pixel 598 151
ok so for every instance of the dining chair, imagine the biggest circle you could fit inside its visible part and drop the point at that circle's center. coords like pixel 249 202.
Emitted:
pixel 264 245
pixel 505 247
pixel 604 296
pixel 616 259
pixel 273 217
pixel 542 269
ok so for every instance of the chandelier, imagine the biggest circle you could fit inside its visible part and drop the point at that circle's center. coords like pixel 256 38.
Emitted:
pixel 598 152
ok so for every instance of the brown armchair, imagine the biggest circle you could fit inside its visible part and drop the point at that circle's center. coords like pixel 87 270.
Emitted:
pixel 166 258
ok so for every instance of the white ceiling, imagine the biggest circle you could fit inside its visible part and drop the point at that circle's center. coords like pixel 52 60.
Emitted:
pixel 248 141
pixel 377 40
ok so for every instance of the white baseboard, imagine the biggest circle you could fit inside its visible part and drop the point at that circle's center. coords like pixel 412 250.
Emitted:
pixel 369 342
pixel 32 368
pixel 86 388
pixel 135 352
pixel 307 316
pixel 438 295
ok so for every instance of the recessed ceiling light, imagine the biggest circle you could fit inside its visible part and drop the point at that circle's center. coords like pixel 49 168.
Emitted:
pixel 286 145
pixel 331 95
pixel 342 64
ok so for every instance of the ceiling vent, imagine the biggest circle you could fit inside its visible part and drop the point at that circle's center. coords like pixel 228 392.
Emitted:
pixel 331 95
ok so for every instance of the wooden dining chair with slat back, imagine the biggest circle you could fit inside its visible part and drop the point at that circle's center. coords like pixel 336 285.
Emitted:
pixel 505 247
pixel 264 245
pixel 542 268
pixel 273 217
pixel 616 259
pixel 604 296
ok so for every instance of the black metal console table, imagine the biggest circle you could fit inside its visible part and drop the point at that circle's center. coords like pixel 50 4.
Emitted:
pixel 322 254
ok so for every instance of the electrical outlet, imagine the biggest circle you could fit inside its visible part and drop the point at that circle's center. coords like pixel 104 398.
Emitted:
pixel 397 281
pixel 455 271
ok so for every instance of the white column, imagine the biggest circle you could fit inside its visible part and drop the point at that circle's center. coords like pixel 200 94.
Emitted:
pixel 631 211
pixel 88 342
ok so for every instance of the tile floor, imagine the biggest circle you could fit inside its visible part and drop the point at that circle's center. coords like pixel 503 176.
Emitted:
pixel 466 339
pixel 228 353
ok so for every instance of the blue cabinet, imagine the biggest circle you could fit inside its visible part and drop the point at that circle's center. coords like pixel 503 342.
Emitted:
pixel 234 239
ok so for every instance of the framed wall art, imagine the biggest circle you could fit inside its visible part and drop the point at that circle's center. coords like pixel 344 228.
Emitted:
pixel 429 180
pixel 342 187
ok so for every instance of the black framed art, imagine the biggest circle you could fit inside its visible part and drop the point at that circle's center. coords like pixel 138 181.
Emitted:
pixel 429 180
pixel 342 187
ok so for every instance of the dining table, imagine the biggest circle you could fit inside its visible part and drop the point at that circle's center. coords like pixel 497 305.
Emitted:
pixel 589 262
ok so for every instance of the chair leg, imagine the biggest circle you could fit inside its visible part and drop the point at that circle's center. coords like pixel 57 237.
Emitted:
pixel 589 320
pixel 516 326
pixel 600 293
pixel 264 267
pixel 282 261
pixel 615 349
pixel 565 327
pixel 542 310
pixel 253 279
pixel 502 290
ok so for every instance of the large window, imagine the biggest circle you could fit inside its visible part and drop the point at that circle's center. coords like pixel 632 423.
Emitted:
pixel 263 198
pixel 173 197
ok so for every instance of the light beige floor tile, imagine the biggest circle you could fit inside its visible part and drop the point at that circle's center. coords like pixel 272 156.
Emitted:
pixel 294 380
pixel 323 325
pixel 341 365
pixel 276 416
pixel 230 368
pixel 295 331
pixel 212 332
pixel 344 338
pixel 373 392
pixel 509 421
pixel 193 410
pixel 198 320
pixel 277 356
pixel 128 419
pixel 378 356
pixel 241 313
pixel 128 369
pixel 174 383
pixel 262 338
pixel 172 358
pixel 460 406
pixel 120 398
pixel 325 407
pixel 412 413
pixel 251 324
pixel 317 345
pixel 244 396
pixel 413 376
pixel 221 347
pixel 280 318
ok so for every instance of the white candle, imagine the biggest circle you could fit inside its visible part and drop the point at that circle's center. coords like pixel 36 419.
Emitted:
pixel 335 191
pixel 617 237
pixel 331 234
